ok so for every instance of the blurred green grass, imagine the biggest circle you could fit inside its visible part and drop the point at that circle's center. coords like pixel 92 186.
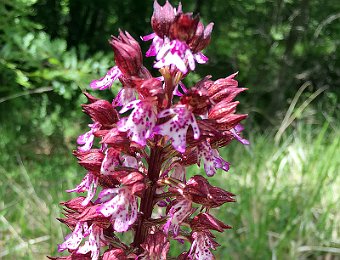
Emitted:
pixel 287 198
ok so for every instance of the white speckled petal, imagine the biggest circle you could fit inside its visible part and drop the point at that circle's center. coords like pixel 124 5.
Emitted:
pixel 178 213
pixel 107 81
pixel 122 208
pixel 176 128
pixel 140 122
pixel 73 240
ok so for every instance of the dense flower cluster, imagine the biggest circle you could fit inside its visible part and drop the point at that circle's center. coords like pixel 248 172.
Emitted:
pixel 138 146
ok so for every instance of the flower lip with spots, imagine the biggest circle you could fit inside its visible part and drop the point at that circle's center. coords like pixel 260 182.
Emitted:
pixel 176 127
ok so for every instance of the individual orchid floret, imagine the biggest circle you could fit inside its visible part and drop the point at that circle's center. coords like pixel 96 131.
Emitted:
pixel 115 139
pixel 176 128
pixel 203 239
pixel 86 140
pixel 106 82
pixel 177 214
pixel 89 184
pixel 201 38
pixel 119 204
pixel 178 38
pixel 140 122
pixel 198 100
pixel 74 204
pixel 211 159
pixel 225 89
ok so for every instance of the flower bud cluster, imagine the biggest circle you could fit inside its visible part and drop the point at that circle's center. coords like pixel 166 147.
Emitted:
pixel 139 145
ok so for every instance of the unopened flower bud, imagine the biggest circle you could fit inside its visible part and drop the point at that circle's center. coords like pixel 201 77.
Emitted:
pixel 162 18
pixel 156 246
pixel 128 55
pixel 101 111
pixel 115 254
pixel 205 221
pixel 201 38
pixel 198 100
pixel 200 191
pixel 90 160
pixel 74 204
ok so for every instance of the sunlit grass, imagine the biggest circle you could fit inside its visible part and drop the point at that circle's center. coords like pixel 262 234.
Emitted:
pixel 30 193
pixel 287 199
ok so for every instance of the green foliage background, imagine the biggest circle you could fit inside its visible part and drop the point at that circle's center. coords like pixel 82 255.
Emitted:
pixel 287 54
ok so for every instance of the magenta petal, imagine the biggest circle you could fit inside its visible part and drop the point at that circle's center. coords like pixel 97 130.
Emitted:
pixel 155 47
pixel 172 59
pixel 239 128
pixel 126 217
pixel 89 184
pixel 174 53
pixel 220 163
pixel 238 137
pixel 110 207
pixel 211 159
pixel 190 58
pixel 201 58
pixel 148 37
pixel 179 86
pixel 177 92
